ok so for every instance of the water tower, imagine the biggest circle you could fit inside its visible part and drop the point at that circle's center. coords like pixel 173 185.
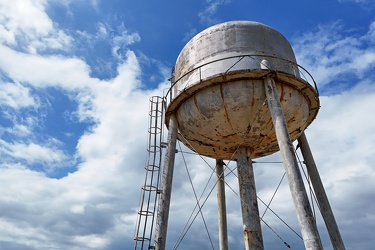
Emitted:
pixel 237 93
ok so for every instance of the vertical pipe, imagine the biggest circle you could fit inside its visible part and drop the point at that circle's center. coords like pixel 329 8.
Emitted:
pixel 165 195
pixel 305 217
pixel 249 203
pixel 221 205
pixel 320 193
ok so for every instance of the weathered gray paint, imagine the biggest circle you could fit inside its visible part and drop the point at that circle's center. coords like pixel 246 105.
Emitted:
pixel 305 217
pixel 221 205
pixel 249 203
pixel 165 195
pixel 233 39
pixel 221 103
pixel 321 196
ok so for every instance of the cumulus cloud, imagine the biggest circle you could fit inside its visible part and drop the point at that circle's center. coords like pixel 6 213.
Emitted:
pixel 66 72
pixel 358 1
pixel 120 38
pixel 18 31
pixel 333 53
pixel 47 154
pixel 91 207
pixel 111 43
pixel 207 15
pixel 15 95
pixel 75 227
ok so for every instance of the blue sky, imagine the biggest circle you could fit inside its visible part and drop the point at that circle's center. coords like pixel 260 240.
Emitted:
pixel 76 77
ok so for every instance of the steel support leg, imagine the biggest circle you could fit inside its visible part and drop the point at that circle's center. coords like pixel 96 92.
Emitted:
pixel 320 193
pixel 249 203
pixel 221 205
pixel 165 195
pixel 305 217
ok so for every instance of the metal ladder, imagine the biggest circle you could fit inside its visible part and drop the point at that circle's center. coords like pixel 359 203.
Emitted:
pixel 150 190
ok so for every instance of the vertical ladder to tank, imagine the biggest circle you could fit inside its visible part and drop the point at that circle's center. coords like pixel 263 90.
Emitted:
pixel 149 192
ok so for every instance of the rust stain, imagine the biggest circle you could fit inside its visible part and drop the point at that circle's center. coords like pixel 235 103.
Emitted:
pixel 229 136
pixel 246 235
pixel 282 93
pixel 195 101
pixel 252 95
pixel 224 106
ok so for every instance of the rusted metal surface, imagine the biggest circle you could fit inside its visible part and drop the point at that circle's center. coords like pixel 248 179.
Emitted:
pixel 217 119
pixel 249 203
pixel 221 104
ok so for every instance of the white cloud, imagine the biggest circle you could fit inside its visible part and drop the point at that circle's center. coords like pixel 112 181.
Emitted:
pixel 345 117
pixel 111 42
pixel 32 152
pixel 331 53
pixel 82 210
pixel 39 71
pixel 207 15
pixel 16 96
pixel 87 209
pixel 93 241
pixel 87 205
pixel 21 125
pixel 190 34
pixel 358 1
pixel 17 30
pixel 120 38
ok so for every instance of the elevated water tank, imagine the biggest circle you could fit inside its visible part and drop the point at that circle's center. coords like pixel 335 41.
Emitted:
pixel 218 93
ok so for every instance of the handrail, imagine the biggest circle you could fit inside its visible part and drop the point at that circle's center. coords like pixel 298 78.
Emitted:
pixel 301 70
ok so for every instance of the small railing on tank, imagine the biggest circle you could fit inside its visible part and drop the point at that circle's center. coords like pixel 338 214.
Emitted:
pixel 277 65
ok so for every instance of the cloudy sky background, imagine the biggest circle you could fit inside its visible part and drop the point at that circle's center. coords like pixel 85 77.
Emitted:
pixel 76 77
